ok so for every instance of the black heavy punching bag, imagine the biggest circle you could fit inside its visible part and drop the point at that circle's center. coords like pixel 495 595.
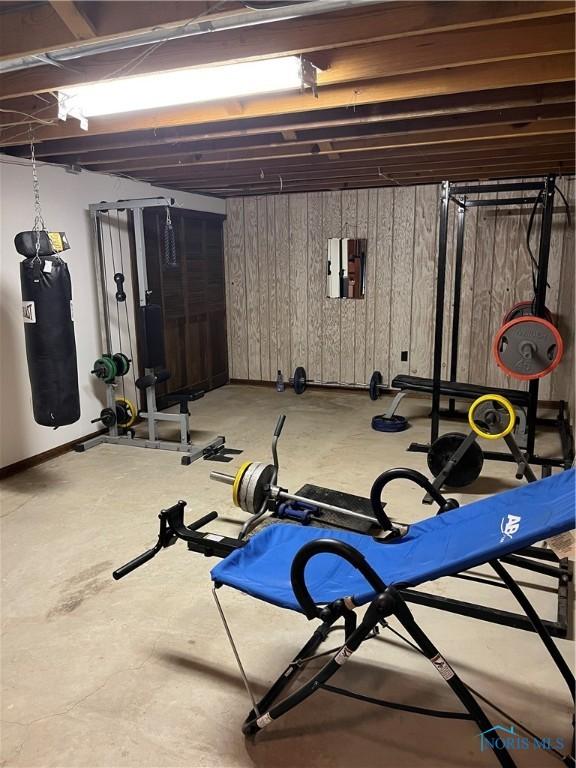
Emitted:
pixel 49 328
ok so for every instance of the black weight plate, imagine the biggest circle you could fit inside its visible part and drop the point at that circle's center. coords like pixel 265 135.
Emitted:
pixel 108 417
pixel 389 423
pixel 300 380
pixel 467 469
pixel 375 383
pixel 122 363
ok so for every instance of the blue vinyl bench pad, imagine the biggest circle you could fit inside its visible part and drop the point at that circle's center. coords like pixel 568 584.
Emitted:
pixel 435 547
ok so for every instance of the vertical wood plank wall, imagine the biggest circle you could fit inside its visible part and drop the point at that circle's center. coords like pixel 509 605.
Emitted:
pixel 279 316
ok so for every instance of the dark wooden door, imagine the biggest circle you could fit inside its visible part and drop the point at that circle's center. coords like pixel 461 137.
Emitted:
pixel 192 295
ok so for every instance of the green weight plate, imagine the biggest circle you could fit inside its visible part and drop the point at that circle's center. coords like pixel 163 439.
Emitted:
pixel 105 369
pixel 375 383
pixel 300 380
pixel 467 469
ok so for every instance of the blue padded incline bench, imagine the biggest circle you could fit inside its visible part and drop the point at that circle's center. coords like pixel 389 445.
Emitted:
pixel 328 574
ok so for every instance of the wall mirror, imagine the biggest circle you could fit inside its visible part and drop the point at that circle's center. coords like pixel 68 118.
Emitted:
pixel 346 268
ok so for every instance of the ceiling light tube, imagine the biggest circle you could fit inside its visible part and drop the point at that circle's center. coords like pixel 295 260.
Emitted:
pixel 184 86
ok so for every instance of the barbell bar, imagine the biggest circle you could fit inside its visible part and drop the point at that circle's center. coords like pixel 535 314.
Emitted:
pixel 300 382
pixel 251 487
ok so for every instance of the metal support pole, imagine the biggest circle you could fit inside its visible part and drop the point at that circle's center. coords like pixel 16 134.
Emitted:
pixel 101 281
pixel 540 298
pixel 461 221
pixel 439 326
pixel 142 272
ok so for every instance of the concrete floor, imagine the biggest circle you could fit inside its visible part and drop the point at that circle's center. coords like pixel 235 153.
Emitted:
pixel 139 672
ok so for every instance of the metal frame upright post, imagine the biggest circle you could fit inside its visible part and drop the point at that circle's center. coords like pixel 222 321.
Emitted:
pixel 460 224
pixel 540 297
pixel 440 297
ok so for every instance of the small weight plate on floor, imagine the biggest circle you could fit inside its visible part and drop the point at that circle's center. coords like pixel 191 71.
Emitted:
pixel 467 469
pixel 528 348
pixel 389 423
pixel 375 383
pixel 299 380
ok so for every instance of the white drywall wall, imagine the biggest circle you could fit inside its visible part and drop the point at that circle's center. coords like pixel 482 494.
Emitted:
pixel 65 199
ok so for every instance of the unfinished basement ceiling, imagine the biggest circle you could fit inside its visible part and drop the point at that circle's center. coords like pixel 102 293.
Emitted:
pixel 408 92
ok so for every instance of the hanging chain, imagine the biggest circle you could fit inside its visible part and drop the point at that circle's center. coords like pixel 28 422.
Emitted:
pixel 39 224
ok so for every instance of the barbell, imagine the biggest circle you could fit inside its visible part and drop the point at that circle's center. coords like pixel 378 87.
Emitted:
pixel 300 382
pixel 254 490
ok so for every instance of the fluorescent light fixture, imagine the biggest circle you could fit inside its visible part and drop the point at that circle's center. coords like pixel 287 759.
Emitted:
pixel 185 86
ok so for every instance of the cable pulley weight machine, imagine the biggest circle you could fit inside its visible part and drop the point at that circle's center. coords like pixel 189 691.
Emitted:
pixel 119 414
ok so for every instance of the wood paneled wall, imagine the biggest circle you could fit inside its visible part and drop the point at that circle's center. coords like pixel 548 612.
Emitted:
pixel 279 317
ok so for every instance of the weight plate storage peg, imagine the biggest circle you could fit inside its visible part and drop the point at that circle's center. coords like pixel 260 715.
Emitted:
pixel 466 470
pixel 528 348
pixel 299 380
pixel 375 386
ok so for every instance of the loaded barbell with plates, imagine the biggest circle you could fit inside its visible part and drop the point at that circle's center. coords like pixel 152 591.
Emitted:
pixel 528 347
pixel 254 490
pixel 300 382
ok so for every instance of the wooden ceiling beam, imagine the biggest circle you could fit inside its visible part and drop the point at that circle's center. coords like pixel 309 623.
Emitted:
pixel 316 142
pixel 393 22
pixel 526 143
pixel 38 27
pixel 79 26
pixel 150 143
pixel 494 75
pixel 524 155
pixel 425 138
pixel 408 180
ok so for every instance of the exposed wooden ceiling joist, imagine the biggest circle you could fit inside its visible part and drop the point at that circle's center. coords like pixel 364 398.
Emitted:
pixel 153 143
pixel 79 26
pixel 394 179
pixel 479 77
pixel 558 127
pixel 391 22
pixel 316 141
pixel 371 168
pixel 36 27
pixel 409 92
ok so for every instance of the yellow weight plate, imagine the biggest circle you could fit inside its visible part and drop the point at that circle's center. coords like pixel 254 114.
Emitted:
pixel 237 480
pixel 494 399
pixel 131 408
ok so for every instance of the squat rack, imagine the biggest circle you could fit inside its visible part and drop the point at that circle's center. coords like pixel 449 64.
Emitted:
pixel 459 194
